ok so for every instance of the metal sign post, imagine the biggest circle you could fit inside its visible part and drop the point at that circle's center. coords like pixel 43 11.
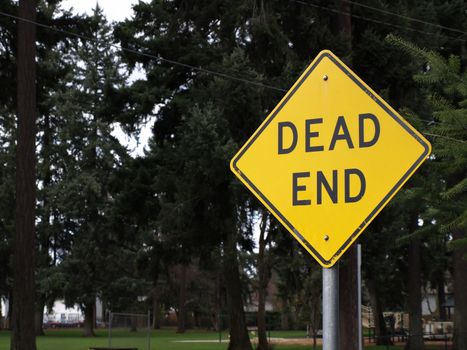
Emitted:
pixel 359 298
pixel 331 308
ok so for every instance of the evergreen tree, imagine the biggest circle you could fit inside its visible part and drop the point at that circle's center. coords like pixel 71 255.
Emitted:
pixel 89 157
pixel 447 83
pixel 386 69
pixel 263 41
pixel 7 145
pixel 53 68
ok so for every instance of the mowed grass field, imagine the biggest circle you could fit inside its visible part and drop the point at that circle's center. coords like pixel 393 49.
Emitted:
pixel 71 339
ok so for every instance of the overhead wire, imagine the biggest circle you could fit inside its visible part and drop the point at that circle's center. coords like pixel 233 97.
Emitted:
pixel 148 55
pixel 199 69
pixel 387 12
pixel 302 2
pixel 334 10
pixel 390 24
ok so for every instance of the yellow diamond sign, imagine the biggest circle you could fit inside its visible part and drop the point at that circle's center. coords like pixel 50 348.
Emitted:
pixel 329 157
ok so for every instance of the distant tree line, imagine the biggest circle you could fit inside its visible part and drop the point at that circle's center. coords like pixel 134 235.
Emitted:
pixel 173 225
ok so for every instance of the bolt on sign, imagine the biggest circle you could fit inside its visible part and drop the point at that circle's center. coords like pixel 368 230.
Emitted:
pixel 329 157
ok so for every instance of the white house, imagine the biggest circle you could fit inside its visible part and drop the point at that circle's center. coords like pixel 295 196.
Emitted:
pixel 61 314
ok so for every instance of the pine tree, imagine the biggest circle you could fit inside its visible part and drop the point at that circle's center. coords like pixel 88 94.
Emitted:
pixel 89 157
pixel 447 86
pixel 7 147
pixel 53 68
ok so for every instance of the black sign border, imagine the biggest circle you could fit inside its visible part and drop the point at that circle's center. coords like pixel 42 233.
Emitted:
pixel 386 198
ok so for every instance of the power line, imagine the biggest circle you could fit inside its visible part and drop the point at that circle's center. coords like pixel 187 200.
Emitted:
pixel 158 57
pixel 363 18
pixel 405 17
pixel 205 70
pixel 444 137
pixel 200 69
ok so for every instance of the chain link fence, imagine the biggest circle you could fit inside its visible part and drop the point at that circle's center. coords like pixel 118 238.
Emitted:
pixel 127 330
pixel 432 341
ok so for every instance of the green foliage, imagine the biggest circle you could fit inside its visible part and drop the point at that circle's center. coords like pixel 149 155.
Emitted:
pixel 448 95
pixel 7 198
pixel 82 162
pixel 442 78
pixel 113 227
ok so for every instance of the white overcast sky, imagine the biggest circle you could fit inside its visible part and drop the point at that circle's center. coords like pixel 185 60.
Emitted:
pixel 116 10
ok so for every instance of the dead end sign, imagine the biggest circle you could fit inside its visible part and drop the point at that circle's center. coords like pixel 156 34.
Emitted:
pixel 329 157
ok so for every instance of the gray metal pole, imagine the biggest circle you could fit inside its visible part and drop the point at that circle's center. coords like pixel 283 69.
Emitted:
pixel 331 308
pixel 359 297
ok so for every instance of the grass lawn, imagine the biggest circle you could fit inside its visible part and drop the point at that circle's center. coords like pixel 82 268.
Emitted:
pixel 70 339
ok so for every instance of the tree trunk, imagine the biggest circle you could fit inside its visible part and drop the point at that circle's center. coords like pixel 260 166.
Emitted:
pixel 196 323
pixel 441 299
pixel 133 323
pixel 9 319
pixel 415 340
pixel 156 305
pixel 315 317
pixel 218 301
pixel 381 331
pixel 88 330
pixel 285 319
pixel 348 300
pixel 348 287
pixel 23 336
pixel 262 286
pixel 39 317
pixel 239 339
pixel 460 294
pixel 181 319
